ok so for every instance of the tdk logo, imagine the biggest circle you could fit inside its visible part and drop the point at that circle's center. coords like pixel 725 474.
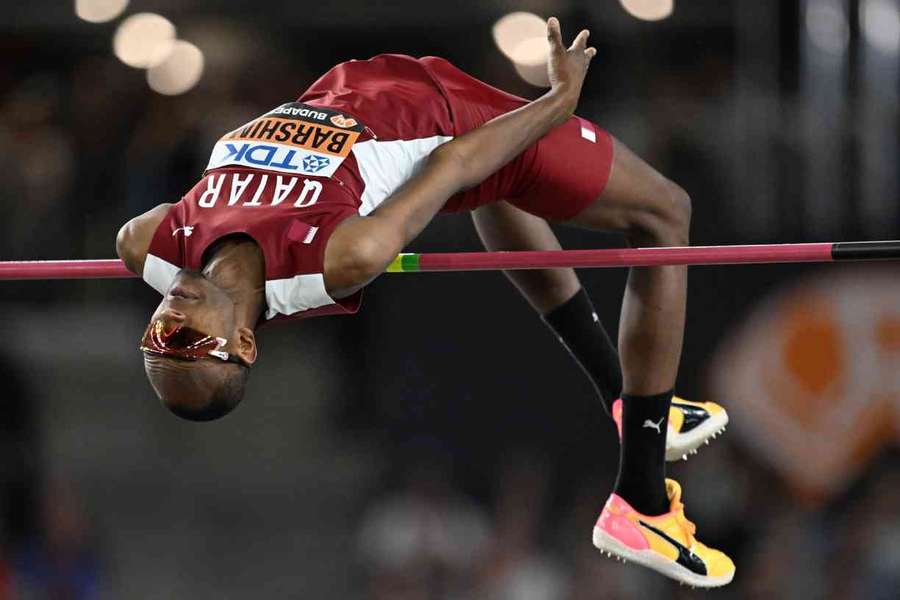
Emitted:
pixel 273 156
pixel 312 164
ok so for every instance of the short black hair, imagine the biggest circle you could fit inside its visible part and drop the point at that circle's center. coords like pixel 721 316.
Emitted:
pixel 222 401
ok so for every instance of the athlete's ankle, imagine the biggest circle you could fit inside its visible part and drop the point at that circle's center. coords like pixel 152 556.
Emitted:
pixel 642 466
pixel 644 502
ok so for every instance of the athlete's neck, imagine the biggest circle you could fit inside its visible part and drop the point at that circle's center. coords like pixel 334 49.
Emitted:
pixel 238 266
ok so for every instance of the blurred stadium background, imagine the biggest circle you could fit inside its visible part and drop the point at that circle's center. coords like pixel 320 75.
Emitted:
pixel 441 444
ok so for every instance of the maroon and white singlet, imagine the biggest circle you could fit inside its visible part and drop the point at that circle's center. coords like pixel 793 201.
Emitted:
pixel 289 177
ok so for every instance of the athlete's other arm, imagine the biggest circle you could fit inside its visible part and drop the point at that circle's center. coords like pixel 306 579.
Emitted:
pixel 362 247
pixel 133 239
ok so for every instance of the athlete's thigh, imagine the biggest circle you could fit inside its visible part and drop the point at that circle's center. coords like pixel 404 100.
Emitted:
pixel 566 171
pixel 580 174
pixel 635 194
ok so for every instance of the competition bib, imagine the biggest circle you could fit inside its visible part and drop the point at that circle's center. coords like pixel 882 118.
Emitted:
pixel 293 138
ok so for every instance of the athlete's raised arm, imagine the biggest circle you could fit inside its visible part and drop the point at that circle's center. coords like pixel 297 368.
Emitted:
pixel 362 247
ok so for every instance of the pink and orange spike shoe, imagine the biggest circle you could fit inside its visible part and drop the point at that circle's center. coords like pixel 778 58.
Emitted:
pixel 664 543
pixel 691 424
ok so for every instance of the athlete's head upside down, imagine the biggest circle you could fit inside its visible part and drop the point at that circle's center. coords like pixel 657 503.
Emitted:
pixel 200 344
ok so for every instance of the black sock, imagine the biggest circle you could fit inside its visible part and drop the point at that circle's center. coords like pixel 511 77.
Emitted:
pixel 581 332
pixel 642 460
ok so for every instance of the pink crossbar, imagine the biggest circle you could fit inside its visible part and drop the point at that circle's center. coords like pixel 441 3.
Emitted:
pixel 478 261
pixel 627 257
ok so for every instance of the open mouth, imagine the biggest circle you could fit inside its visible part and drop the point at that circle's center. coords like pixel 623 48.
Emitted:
pixel 180 292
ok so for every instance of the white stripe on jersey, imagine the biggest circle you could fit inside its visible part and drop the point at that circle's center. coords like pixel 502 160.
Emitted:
pixel 385 166
pixel 293 294
pixel 159 273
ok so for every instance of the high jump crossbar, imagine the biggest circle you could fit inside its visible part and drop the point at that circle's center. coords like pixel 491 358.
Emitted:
pixel 494 261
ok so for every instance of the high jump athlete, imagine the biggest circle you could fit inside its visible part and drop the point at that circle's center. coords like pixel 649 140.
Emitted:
pixel 302 207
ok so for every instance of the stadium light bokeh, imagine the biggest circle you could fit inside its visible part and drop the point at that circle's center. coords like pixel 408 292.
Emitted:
pixel 880 24
pixel 827 26
pixel 144 40
pixel 530 60
pixel 648 10
pixel 522 38
pixel 511 30
pixel 99 11
pixel 179 72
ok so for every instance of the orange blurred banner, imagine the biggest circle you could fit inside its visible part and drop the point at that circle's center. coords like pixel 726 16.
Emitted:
pixel 812 377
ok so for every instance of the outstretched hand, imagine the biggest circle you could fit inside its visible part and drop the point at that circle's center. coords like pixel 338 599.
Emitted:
pixel 568 66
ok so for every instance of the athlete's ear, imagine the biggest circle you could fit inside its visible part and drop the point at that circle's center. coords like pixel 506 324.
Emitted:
pixel 246 345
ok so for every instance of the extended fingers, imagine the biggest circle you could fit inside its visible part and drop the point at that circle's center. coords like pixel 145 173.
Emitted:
pixel 579 44
pixel 553 34
pixel 581 40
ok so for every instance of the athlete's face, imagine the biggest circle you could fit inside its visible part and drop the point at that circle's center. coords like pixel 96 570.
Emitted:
pixel 196 302
pixel 207 388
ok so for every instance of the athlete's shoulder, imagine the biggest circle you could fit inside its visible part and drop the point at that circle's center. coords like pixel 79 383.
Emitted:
pixel 134 237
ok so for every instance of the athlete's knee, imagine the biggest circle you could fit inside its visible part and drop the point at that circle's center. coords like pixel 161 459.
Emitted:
pixel 665 217
pixel 679 206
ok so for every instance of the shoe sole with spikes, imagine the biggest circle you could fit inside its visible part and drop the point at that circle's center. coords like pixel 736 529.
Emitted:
pixel 613 548
pixel 681 445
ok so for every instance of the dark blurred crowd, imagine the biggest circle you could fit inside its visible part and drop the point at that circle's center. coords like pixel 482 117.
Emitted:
pixel 425 539
pixel 47 545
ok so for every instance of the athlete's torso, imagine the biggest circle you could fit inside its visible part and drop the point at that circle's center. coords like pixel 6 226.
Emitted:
pixel 290 176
